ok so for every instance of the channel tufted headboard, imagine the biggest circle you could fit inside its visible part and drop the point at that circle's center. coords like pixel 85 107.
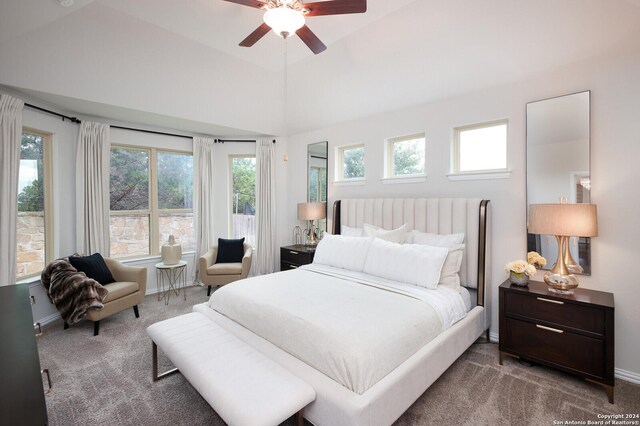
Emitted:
pixel 472 216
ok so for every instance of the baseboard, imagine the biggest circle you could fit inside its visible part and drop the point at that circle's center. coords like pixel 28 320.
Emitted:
pixel 627 375
pixel 619 373
pixel 50 318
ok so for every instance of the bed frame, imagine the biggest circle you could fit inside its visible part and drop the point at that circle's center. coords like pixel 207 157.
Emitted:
pixel 385 401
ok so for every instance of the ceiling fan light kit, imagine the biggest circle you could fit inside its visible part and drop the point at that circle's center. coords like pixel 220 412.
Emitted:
pixel 283 20
pixel 286 17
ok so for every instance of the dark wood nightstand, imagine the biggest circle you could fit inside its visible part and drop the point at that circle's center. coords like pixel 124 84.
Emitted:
pixel 291 257
pixel 573 333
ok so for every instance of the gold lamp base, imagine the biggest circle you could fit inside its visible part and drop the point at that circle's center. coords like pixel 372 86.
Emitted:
pixel 560 279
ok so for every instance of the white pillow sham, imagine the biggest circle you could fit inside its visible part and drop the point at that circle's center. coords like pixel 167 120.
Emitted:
pixel 398 235
pixel 409 263
pixel 449 276
pixel 342 252
pixel 349 231
pixel 437 240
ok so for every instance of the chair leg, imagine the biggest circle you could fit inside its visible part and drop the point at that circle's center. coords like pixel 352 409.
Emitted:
pixel 66 325
pixel 135 311
pixel 208 290
pixel 96 328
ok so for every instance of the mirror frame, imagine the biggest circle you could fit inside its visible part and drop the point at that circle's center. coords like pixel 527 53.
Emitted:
pixel 585 241
pixel 322 224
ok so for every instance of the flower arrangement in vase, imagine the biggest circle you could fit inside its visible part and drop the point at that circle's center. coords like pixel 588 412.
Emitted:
pixel 520 270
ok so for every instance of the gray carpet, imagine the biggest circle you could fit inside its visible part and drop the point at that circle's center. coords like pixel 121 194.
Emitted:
pixel 106 380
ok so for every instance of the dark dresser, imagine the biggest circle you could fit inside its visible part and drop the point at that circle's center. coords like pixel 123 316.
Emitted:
pixel 21 391
pixel 291 257
pixel 573 333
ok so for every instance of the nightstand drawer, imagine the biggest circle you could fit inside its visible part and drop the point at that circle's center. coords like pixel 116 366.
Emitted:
pixel 285 266
pixel 540 308
pixel 582 354
pixel 295 257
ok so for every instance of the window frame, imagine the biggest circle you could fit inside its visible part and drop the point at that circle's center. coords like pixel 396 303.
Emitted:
pixel 339 165
pixel 455 148
pixel 153 212
pixel 389 156
pixel 230 189
pixel 47 165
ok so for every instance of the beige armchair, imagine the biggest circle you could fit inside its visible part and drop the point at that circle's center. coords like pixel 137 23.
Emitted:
pixel 217 274
pixel 128 291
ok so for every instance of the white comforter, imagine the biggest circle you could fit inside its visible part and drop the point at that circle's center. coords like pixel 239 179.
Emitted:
pixel 354 329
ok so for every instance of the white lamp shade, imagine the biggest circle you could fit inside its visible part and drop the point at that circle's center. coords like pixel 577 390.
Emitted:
pixel 284 20
pixel 569 220
pixel 311 211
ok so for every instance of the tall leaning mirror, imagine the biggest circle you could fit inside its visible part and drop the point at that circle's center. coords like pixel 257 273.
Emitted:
pixel 317 177
pixel 558 156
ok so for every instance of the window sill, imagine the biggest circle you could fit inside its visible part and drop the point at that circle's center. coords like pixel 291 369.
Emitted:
pixel 402 179
pixel 146 259
pixel 352 182
pixel 503 174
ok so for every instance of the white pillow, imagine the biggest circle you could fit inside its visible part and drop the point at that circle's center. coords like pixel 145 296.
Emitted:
pixel 342 252
pixel 437 240
pixel 398 235
pixel 349 231
pixel 408 263
pixel 449 276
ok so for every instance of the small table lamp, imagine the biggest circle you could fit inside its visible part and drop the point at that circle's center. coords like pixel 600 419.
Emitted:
pixel 563 221
pixel 311 212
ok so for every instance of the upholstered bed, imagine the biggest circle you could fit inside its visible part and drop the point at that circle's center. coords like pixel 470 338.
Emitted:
pixel 369 347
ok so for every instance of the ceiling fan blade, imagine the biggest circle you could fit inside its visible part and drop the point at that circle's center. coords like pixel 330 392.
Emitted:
pixel 335 7
pixel 255 36
pixel 311 40
pixel 251 3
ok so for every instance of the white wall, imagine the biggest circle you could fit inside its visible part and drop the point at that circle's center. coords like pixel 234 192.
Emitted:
pixel 615 148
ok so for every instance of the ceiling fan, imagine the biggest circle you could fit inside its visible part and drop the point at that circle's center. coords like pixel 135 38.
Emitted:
pixel 286 17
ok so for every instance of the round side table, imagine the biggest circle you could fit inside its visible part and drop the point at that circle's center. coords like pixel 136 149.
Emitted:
pixel 175 275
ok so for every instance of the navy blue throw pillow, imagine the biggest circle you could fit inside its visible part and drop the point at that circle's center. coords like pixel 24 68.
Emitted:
pixel 230 251
pixel 94 267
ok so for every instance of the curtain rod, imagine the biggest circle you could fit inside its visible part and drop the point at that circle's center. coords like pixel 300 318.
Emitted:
pixel 48 111
pixel 236 140
pixel 78 121
pixel 154 132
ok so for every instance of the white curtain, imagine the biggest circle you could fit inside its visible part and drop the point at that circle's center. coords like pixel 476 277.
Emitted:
pixel 265 260
pixel 93 156
pixel 10 136
pixel 203 195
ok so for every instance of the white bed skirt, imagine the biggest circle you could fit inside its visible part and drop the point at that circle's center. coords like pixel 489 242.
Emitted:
pixel 385 401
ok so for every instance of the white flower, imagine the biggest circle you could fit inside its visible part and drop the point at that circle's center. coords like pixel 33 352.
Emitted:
pixel 517 266
pixel 534 258
pixel 530 270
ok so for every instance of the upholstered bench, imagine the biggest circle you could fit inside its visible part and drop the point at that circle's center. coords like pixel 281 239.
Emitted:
pixel 241 384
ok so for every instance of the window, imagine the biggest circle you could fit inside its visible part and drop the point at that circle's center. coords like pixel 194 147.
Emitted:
pixel 405 156
pixel 480 147
pixel 350 163
pixel 243 198
pixel 150 199
pixel 34 235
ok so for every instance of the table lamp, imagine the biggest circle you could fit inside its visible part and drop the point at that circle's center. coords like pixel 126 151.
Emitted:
pixel 311 212
pixel 563 221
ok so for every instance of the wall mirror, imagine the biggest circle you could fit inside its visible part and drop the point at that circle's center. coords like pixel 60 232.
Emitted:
pixel 317 176
pixel 558 155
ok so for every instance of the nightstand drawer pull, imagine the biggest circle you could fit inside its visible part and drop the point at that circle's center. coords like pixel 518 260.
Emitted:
pixel 293 267
pixel 557 302
pixel 293 252
pixel 555 330
pixel 38 327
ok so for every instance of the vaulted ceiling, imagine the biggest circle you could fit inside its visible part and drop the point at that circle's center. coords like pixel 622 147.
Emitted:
pixel 178 64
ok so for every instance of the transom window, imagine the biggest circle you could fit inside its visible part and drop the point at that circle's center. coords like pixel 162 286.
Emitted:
pixel 150 199
pixel 405 156
pixel 350 162
pixel 34 233
pixel 480 147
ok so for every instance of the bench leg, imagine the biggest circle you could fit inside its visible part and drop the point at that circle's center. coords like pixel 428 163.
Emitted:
pixel 208 290
pixel 154 373
pixel 300 418
pixel 96 328
pixel 135 311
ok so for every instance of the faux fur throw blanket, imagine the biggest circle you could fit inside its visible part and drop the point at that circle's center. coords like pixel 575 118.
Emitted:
pixel 72 292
